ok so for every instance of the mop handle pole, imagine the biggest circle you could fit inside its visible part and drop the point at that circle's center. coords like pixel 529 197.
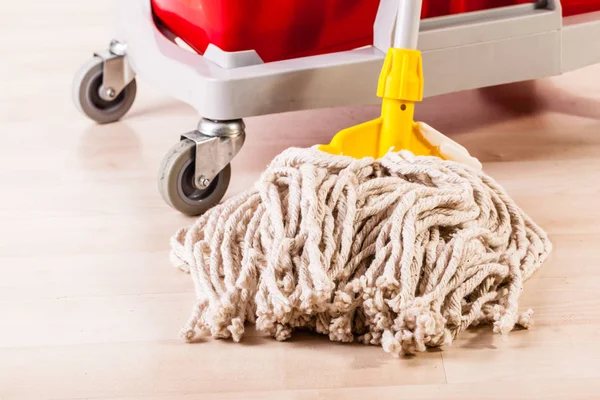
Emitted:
pixel 408 19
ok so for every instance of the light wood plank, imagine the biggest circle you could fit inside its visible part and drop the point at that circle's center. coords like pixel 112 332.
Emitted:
pixel 554 352
pixel 141 369
pixel 572 389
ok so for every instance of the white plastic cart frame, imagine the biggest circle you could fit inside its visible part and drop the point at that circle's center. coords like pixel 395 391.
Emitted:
pixel 464 51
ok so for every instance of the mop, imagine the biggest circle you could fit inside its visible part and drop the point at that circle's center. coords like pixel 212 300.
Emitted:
pixel 390 235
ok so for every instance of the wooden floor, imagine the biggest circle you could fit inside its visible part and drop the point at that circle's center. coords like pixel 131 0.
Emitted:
pixel 90 307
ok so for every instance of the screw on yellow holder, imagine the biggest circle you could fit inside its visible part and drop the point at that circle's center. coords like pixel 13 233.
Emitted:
pixel 400 87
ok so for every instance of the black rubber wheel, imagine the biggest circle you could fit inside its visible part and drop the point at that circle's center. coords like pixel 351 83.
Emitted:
pixel 86 94
pixel 176 181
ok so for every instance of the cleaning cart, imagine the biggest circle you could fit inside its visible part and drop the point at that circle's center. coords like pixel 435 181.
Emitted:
pixel 231 60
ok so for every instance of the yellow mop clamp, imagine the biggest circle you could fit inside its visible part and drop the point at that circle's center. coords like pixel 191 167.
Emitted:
pixel 400 87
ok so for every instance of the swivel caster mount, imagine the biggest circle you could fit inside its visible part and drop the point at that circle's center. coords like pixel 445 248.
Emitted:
pixel 194 175
pixel 104 88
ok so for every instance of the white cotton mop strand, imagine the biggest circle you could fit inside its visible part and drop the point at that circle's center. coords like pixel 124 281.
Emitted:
pixel 366 243
pixel 403 251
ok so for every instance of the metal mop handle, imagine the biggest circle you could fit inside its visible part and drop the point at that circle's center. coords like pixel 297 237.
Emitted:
pixel 408 20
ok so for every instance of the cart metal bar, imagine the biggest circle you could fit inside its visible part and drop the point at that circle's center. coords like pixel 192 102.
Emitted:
pixel 581 41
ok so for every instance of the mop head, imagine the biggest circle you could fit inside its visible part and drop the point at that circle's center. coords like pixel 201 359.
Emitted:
pixel 404 252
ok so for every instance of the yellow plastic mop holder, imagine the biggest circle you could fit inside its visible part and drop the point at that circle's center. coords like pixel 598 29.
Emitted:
pixel 401 77
pixel 400 86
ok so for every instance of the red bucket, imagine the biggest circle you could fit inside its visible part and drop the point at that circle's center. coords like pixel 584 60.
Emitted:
pixel 284 29
pixel 574 7
pixel 276 30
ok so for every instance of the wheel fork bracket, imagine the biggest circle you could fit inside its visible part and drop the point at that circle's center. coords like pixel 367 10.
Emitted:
pixel 117 72
pixel 217 143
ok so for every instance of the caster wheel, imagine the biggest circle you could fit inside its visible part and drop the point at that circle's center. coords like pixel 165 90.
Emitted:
pixel 176 181
pixel 86 94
